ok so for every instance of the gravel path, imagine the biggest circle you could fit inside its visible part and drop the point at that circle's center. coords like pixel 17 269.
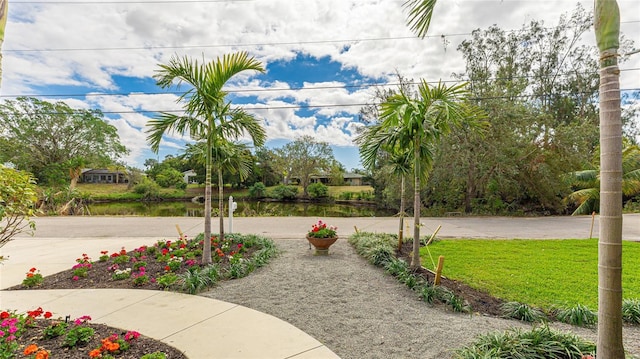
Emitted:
pixel 358 311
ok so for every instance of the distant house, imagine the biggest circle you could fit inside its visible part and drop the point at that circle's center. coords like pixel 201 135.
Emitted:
pixel 103 176
pixel 189 176
pixel 350 179
pixel 354 179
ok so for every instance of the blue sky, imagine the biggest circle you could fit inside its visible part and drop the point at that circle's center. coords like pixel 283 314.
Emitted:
pixel 320 55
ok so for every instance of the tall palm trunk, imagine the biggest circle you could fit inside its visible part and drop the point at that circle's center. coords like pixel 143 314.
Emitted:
pixel 415 259
pixel 206 247
pixel 4 9
pixel 401 225
pixel 221 202
pixel 607 28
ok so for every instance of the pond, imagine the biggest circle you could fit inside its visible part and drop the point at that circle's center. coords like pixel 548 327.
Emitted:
pixel 245 209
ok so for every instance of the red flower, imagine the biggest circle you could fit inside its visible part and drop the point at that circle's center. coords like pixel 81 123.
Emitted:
pixel 4 315
pixel 48 315
pixel 32 270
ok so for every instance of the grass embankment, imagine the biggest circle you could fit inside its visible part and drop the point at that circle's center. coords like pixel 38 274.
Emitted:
pixel 543 273
pixel 121 192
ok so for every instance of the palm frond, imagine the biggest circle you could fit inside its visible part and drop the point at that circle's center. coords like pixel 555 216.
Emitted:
pixel 420 13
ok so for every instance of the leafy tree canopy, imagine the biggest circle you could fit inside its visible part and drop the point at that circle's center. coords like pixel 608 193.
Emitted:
pixel 51 139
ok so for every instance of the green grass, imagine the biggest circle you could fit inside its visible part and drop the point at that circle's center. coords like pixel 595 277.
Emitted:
pixel 120 192
pixel 544 273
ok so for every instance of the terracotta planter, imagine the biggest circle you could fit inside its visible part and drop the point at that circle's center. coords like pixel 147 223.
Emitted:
pixel 322 244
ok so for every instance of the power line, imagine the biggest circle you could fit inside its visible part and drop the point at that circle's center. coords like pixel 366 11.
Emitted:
pixel 358 86
pixel 284 43
pixel 305 107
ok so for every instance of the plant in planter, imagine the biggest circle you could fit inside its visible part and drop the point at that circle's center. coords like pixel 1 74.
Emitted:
pixel 322 236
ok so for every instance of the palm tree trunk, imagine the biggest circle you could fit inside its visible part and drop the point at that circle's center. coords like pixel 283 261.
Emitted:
pixel 607 28
pixel 610 243
pixel 221 203
pixel 415 259
pixel 206 246
pixel 401 225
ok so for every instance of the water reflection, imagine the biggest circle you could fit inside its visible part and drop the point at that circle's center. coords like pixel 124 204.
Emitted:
pixel 245 209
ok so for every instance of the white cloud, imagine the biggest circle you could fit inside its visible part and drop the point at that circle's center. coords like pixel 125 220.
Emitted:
pixel 102 41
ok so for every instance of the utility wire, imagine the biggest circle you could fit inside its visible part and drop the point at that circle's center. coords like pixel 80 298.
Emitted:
pixel 284 43
pixel 291 89
pixel 305 107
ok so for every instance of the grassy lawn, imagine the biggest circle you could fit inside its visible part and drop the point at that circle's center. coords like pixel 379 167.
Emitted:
pixel 120 191
pixel 543 273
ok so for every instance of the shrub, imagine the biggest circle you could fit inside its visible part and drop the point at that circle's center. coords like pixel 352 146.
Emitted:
pixel 539 343
pixel 167 280
pixel 579 315
pixel 317 190
pixel 169 177
pixel 258 190
pixel 78 336
pixel 631 311
pixel 428 292
pixel 283 192
pixel 194 280
pixel 522 312
pixel 18 196
pixel 148 189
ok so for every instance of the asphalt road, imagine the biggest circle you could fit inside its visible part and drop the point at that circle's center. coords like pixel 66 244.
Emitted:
pixel 296 227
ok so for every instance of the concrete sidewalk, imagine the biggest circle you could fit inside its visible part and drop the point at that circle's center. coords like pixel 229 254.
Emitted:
pixel 199 327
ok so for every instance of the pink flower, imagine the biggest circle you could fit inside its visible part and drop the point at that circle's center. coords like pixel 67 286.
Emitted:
pixel 75 277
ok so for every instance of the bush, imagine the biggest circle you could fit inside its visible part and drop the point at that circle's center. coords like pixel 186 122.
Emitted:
pixel 148 189
pixel 579 315
pixel 539 343
pixel 283 192
pixel 631 311
pixel 318 190
pixel 258 190
pixel 18 198
pixel 169 177
pixel 522 311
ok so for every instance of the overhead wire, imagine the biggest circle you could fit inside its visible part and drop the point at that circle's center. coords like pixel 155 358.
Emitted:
pixel 290 89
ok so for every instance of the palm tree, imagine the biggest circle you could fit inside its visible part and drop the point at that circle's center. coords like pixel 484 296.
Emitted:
pixel 607 29
pixel 226 157
pixel 588 182
pixel 417 124
pixel 207 115
pixel 398 160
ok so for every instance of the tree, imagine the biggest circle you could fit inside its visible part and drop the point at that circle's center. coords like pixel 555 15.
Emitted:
pixel 207 115
pixel 607 29
pixel 228 157
pixel 18 198
pixel 587 182
pixel 51 140
pixel 305 157
pixel 416 124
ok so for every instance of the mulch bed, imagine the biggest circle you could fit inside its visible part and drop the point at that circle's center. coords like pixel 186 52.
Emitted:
pixel 480 302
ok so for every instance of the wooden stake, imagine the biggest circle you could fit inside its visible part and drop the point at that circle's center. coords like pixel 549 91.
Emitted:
pixel 593 218
pixel 356 229
pixel 180 233
pixel 439 270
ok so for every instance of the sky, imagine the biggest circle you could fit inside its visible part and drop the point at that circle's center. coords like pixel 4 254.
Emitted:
pixel 321 57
